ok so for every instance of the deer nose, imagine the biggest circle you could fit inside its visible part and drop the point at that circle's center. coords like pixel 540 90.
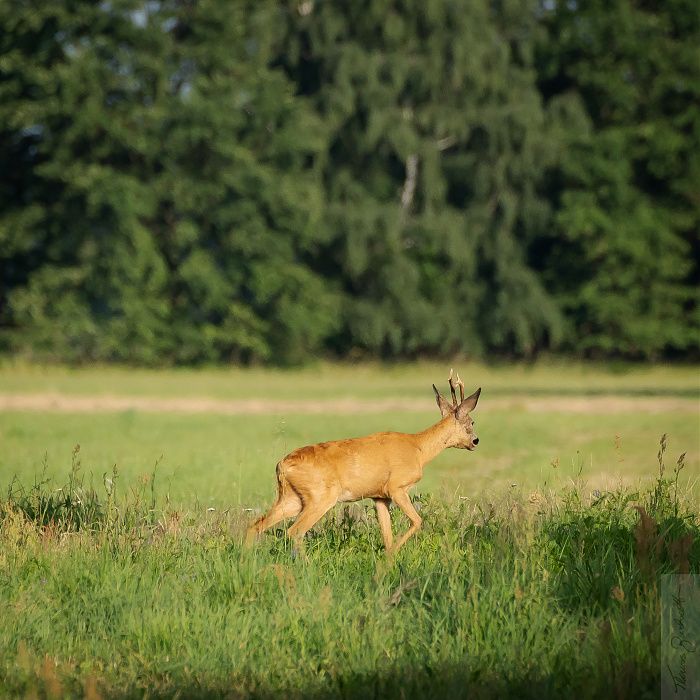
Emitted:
pixel 476 440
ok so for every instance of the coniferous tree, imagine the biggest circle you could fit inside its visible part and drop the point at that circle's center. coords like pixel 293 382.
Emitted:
pixel 436 146
pixel 206 181
pixel 157 195
pixel 624 81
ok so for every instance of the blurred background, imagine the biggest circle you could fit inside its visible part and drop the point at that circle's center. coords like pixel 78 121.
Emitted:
pixel 204 181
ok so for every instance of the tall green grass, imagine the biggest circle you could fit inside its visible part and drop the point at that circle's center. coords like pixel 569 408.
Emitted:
pixel 111 591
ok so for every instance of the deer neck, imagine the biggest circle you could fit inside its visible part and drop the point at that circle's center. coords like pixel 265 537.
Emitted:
pixel 436 438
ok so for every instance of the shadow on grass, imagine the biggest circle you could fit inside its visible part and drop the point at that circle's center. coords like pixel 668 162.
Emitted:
pixel 624 682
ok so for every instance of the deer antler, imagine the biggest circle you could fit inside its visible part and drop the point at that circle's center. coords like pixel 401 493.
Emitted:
pixel 452 389
pixel 460 384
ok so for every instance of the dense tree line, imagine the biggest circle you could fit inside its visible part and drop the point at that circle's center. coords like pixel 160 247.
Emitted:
pixel 260 180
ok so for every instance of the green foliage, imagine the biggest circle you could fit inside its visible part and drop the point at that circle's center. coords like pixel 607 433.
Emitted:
pixel 519 597
pixel 436 143
pixel 165 163
pixel 265 181
pixel 625 81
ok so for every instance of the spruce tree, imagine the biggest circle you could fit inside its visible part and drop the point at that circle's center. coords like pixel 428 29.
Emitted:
pixel 623 80
pixel 435 150
pixel 157 197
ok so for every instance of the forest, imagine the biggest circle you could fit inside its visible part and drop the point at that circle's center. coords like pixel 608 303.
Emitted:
pixel 264 181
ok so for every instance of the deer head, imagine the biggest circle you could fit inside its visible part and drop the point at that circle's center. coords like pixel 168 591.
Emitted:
pixel 464 437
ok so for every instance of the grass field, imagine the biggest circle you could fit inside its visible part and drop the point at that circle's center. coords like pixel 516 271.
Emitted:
pixel 548 597
pixel 225 461
pixel 228 460
pixel 368 381
pixel 534 575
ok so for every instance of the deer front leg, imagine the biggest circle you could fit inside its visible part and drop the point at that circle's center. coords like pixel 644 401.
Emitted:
pixel 384 518
pixel 403 501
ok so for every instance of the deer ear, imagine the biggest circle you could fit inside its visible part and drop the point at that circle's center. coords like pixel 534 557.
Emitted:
pixel 442 403
pixel 468 405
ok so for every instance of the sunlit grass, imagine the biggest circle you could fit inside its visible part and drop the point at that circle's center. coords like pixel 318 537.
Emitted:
pixel 547 596
pixel 527 580
pixel 324 381
pixel 226 461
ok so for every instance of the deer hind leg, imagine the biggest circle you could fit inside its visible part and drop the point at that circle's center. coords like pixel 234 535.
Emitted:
pixel 402 500
pixel 310 515
pixel 288 505
pixel 384 518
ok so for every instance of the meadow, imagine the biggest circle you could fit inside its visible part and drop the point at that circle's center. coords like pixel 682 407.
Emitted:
pixel 226 459
pixel 536 573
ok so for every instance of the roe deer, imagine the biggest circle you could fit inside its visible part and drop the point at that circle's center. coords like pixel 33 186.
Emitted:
pixel 383 467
